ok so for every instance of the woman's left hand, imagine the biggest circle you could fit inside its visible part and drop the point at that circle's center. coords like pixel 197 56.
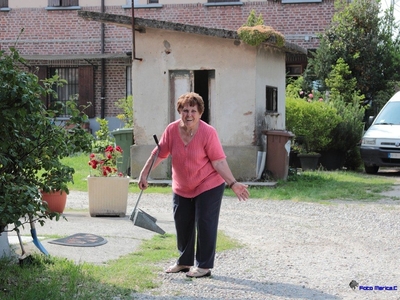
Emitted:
pixel 241 191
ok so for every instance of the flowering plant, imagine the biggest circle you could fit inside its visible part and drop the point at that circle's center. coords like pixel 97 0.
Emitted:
pixel 106 163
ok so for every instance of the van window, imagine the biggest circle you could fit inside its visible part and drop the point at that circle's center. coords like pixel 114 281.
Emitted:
pixel 390 114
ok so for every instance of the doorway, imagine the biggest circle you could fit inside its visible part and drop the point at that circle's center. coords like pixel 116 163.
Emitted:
pixel 198 81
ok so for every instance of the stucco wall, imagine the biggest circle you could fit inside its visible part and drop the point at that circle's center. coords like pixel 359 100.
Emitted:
pixel 235 73
pixel 241 74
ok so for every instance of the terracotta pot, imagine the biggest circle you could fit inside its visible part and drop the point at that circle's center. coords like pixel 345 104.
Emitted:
pixel 55 200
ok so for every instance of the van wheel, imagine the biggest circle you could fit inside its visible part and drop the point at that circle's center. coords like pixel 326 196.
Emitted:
pixel 371 169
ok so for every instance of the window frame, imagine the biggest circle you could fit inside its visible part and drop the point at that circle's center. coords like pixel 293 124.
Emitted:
pixel 271 99
pixel 86 87
pixel 300 1
pixel 70 89
pixel 4 5
pixel 294 70
pixel 63 5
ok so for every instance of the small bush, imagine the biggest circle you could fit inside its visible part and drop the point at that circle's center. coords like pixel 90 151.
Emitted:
pixel 312 122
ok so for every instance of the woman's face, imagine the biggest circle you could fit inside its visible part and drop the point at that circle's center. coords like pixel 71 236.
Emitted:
pixel 190 116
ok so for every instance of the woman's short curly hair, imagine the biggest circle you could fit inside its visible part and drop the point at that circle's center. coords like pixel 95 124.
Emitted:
pixel 192 99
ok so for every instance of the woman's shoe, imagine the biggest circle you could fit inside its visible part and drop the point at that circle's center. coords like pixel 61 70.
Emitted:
pixel 198 273
pixel 177 268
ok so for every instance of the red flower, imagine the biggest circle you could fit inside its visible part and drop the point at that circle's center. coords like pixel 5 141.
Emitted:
pixel 119 149
pixel 106 163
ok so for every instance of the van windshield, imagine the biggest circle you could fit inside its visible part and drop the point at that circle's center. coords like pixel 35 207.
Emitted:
pixel 390 115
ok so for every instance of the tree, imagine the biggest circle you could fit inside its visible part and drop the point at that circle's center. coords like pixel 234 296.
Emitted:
pixel 32 142
pixel 342 84
pixel 367 45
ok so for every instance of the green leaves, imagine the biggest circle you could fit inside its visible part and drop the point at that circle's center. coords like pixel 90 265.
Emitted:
pixel 33 141
pixel 312 122
pixel 367 42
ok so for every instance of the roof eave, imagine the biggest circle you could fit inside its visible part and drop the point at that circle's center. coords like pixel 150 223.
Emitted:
pixel 141 25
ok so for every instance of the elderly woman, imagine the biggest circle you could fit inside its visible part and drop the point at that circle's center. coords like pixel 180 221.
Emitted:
pixel 199 174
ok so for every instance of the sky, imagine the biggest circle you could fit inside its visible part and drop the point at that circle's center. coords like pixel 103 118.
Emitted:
pixel 386 3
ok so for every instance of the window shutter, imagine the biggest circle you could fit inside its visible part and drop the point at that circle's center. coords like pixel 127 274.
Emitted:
pixel 42 74
pixel 3 3
pixel 70 2
pixel 86 89
pixel 54 2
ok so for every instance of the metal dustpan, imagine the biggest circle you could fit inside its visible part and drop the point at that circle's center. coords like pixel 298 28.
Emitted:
pixel 138 216
pixel 146 221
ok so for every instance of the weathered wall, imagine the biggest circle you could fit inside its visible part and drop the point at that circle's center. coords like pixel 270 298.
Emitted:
pixel 241 74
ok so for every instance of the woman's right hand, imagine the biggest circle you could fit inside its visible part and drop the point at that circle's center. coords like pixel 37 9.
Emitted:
pixel 143 184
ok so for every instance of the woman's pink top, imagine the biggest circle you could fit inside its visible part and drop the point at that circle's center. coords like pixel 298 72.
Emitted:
pixel 192 171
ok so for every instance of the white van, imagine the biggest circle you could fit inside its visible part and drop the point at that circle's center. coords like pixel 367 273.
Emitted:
pixel 380 145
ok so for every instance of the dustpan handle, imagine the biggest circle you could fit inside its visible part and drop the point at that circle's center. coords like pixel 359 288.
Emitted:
pixel 147 176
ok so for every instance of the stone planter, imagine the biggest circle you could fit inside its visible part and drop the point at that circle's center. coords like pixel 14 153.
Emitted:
pixel 56 200
pixel 309 161
pixel 108 196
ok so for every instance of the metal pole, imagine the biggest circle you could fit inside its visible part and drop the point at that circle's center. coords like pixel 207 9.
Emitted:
pixel 103 66
pixel 133 32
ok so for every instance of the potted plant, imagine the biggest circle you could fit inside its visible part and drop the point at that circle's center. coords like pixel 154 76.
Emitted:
pixel 54 192
pixel 107 187
pixel 311 122
pixel 74 138
pixel 32 143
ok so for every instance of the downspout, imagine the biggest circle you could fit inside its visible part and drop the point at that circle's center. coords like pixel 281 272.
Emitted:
pixel 133 32
pixel 103 66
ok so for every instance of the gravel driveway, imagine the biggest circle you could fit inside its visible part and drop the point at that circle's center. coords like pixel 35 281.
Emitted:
pixel 295 250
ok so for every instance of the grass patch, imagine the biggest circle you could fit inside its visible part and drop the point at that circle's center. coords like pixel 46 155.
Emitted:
pixel 312 186
pixel 321 186
pixel 57 278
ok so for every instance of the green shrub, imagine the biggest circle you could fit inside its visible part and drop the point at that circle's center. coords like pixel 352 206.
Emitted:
pixel 126 104
pixel 347 134
pixel 311 122
pixel 33 141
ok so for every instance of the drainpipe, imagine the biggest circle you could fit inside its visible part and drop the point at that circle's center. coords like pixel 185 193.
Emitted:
pixel 133 32
pixel 103 66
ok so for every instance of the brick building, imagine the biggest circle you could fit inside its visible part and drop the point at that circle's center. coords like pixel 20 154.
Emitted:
pixel 96 59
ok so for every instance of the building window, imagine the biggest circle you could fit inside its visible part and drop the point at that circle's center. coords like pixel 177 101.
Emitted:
pixel 68 91
pixel 63 3
pixel 128 81
pixel 220 1
pixel 294 70
pixel 3 3
pixel 271 99
pixel 300 1
pixel 152 1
